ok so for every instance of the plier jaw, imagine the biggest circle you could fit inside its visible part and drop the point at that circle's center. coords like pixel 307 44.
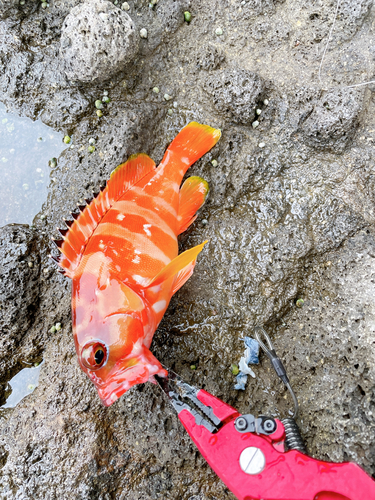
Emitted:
pixel 249 456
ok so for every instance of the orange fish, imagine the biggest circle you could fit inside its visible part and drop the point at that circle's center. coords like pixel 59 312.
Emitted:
pixel 121 253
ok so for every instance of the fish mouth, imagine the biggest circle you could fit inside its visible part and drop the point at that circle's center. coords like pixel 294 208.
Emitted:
pixel 125 377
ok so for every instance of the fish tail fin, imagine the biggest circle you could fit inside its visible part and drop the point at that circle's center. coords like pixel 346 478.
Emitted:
pixel 194 141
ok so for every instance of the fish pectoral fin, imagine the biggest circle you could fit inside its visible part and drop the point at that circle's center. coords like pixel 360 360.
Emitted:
pixel 193 194
pixel 178 266
pixel 183 276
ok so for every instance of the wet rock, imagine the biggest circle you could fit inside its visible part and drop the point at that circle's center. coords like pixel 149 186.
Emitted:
pixel 97 41
pixel 334 120
pixel 256 7
pixel 11 81
pixel 171 13
pixel 8 8
pixel 271 216
pixel 352 14
pixel 65 108
pixel 19 287
pixel 329 354
pixel 211 57
pixel 235 93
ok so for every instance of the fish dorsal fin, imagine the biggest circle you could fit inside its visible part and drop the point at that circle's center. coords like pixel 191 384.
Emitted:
pixel 177 265
pixel 81 229
pixel 192 196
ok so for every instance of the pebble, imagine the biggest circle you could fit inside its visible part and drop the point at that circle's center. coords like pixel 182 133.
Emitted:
pixel 255 124
pixel 262 144
pixel 30 264
pixel 214 163
pixel 175 104
pixel 67 139
pixel 234 369
pixel 265 102
pixel 92 141
pixel 219 31
pixel 105 92
pixel 156 90
pixel 125 6
pixel 204 222
pixel 258 111
pixel 58 326
pixel 143 33
pixel 167 97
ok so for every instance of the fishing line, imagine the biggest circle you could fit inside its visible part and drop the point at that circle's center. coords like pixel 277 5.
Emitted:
pixel 325 50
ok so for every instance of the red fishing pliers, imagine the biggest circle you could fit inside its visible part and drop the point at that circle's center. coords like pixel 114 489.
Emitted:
pixel 262 458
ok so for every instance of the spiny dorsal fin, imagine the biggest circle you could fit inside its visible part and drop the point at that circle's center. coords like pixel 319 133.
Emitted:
pixel 86 221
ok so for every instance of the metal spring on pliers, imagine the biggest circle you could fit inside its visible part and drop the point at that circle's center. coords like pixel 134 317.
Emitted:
pixel 293 438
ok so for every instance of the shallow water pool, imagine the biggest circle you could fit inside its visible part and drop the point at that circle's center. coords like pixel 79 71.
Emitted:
pixel 25 150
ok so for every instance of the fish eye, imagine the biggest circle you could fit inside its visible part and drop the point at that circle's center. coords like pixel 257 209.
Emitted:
pixel 94 355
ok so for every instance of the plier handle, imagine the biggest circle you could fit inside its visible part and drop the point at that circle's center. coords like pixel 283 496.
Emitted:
pixel 249 456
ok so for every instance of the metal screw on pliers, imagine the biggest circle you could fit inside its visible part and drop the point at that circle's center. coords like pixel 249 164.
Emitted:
pixel 269 425
pixel 241 423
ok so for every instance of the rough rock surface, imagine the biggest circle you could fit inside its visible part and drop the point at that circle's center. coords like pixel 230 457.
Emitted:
pixel 236 93
pixel 333 333
pixel 333 120
pixel 20 258
pixel 97 41
pixel 290 215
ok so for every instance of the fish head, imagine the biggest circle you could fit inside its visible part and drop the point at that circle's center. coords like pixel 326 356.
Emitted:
pixel 109 336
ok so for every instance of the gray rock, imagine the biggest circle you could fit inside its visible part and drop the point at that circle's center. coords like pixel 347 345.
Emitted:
pixel 97 41
pixel 334 119
pixel 272 215
pixel 65 108
pixel 211 57
pixel 171 13
pixel 352 14
pixel 328 342
pixel 235 93
pixel 8 8
pixel 19 288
